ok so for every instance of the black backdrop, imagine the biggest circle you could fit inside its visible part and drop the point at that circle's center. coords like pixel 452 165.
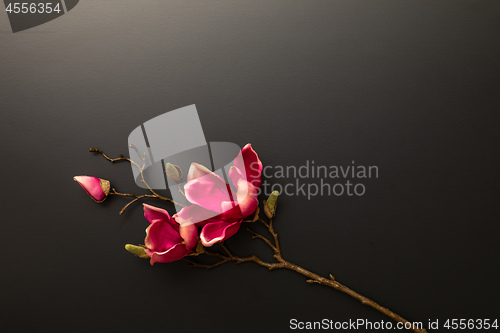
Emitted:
pixel 411 87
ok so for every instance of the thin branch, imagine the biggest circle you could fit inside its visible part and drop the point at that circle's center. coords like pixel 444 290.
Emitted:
pixel 153 194
pixel 224 247
pixel 278 254
pixel 136 198
pixel 261 220
pixel 276 246
pixel 238 260
pixel 215 254
pixel 112 160
pixel 129 204
pixel 180 190
pixel 313 278
pixel 259 236
pixel 141 169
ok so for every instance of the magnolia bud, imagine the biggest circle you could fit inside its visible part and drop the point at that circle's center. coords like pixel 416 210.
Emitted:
pixel 271 204
pixel 198 250
pixel 137 250
pixel 98 189
pixel 254 217
pixel 173 172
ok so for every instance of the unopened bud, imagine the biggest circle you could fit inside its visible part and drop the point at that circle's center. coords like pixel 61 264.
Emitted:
pixel 271 204
pixel 273 198
pixel 173 172
pixel 137 250
pixel 97 188
pixel 198 250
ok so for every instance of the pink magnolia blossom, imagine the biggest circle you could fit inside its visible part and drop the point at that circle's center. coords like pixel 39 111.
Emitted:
pixel 96 188
pixel 166 240
pixel 216 206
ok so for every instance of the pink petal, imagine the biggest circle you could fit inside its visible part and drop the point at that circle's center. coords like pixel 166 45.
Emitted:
pixel 246 196
pixel 195 214
pixel 231 212
pixel 207 192
pixel 197 170
pixel 189 234
pixel 217 232
pixel 176 252
pixel 152 213
pixel 246 200
pixel 235 175
pixel 251 163
pixel 161 236
pixel 92 186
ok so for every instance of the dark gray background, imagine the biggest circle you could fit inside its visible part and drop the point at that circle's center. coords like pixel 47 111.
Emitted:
pixel 410 86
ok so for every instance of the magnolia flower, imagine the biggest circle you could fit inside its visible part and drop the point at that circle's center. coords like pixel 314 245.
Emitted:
pixel 96 188
pixel 216 206
pixel 166 240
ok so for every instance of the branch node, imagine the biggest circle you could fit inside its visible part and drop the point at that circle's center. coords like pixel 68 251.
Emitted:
pixel 153 194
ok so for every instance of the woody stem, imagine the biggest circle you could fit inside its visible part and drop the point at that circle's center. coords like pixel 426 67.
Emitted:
pixel 153 194
pixel 313 277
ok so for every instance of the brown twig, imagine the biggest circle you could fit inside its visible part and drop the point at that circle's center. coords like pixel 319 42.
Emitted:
pixel 136 198
pixel 153 194
pixel 259 236
pixel 224 247
pixel 180 190
pixel 313 278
